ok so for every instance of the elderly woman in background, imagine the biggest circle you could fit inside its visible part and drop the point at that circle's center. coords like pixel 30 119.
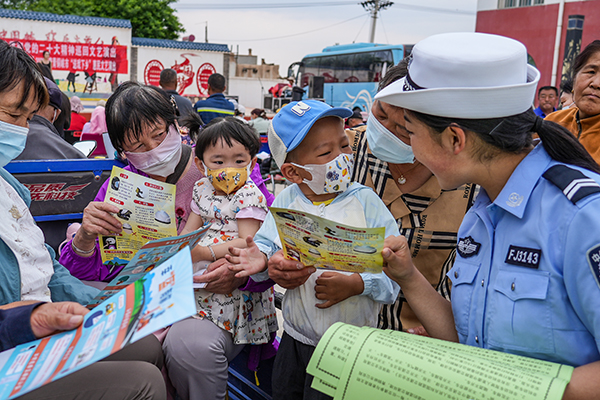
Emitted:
pixel 77 120
pixel 583 118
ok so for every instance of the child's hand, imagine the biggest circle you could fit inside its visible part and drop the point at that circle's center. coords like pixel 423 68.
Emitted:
pixel 418 330
pixel 335 287
pixel 397 262
pixel 248 261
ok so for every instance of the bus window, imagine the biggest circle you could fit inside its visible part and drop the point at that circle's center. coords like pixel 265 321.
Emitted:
pixel 310 67
pixel 345 68
pixel 381 61
pixel 327 68
pixel 362 66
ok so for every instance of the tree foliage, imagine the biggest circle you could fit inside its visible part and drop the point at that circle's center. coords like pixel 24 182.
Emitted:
pixel 149 18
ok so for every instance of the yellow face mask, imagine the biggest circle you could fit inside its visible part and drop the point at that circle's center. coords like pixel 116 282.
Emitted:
pixel 228 180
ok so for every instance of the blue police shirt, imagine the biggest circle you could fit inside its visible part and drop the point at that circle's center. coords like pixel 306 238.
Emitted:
pixel 216 105
pixel 526 276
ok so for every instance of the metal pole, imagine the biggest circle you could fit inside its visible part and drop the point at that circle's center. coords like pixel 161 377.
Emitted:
pixel 373 20
pixel 206 32
pixel 559 24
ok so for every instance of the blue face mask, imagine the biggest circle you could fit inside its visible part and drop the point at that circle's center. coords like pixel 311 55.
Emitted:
pixel 12 141
pixel 385 145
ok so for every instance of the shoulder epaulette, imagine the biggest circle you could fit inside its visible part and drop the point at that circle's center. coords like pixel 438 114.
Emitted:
pixel 573 183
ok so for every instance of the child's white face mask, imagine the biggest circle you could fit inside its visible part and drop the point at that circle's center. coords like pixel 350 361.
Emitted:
pixel 333 177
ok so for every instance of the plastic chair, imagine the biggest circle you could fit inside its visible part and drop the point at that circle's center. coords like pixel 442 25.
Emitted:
pixel 97 137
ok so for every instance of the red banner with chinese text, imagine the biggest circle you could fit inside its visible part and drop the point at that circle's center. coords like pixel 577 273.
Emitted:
pixel 68 56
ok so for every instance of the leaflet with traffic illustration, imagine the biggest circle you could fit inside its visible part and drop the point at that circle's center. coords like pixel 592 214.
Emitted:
pixel 150 256
pixel 146 210
pixel 352 363
pixel 162 297
pixel 326 244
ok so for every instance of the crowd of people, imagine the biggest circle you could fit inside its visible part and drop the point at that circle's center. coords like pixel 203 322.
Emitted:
pixel 488 207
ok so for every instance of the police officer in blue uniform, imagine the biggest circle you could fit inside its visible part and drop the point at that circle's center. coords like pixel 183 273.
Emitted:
pixel 526 279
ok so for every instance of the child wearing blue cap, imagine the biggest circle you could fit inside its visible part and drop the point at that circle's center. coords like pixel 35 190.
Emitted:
pixel 308 143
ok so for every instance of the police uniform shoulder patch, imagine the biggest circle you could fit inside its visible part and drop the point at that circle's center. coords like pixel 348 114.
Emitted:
pixel 573 183
pixel 467 247
pixel 593 258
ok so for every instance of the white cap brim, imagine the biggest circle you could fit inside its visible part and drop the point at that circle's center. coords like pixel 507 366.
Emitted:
pixel 467 102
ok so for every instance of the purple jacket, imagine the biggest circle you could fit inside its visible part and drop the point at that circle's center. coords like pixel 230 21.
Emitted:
pixel 92 269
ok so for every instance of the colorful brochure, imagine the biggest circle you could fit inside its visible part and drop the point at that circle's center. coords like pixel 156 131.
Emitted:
pixel 162 297
pixel 327 244
pixel 352 363
pixel 151 255
pixel 146 210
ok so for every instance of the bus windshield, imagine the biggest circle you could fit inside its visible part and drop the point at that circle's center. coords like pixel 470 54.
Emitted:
pixel 348 75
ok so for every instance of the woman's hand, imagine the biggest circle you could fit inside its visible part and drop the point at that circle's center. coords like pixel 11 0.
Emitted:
pixel 219 279
pixel 335 287
pixel 398 265
pixel 97 220
pixel 248 261
pixel 286 273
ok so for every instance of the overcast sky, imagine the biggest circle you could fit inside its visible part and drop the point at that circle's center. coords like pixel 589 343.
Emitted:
pixel 283 35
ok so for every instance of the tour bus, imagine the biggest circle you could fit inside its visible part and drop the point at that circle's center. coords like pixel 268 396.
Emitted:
pixel 348 75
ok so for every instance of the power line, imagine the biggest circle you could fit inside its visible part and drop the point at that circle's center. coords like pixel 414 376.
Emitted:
pixel 287 36
pixel 360 30
pixel 220 6
pixel 283 4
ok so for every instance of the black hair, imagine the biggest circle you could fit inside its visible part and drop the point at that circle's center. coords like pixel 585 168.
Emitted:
pixel 394 73
pixel 514 135
pixel 133 107
pixel 193 122
pixel 228 129
pixel 63 121
pixel 547 88
pixel 44 52
pixel 217 82
pixel 168 76
pixel 584 56
pixel 566 86
pixel 18 68
pixel 259 112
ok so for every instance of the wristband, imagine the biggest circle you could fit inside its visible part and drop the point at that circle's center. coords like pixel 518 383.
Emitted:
pixel 78 250
pixel 212 252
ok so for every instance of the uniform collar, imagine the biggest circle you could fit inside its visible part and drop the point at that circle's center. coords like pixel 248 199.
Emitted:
pixel 516 193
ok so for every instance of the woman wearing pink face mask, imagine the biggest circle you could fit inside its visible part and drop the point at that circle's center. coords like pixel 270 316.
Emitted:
pixel 141 122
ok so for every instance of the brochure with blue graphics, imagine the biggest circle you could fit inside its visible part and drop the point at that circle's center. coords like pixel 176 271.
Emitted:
pixel 160 298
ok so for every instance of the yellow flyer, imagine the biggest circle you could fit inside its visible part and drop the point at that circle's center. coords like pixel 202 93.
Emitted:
pixel 327 244
pixel 146 210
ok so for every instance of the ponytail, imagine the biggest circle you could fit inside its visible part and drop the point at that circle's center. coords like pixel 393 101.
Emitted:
pixel 562 146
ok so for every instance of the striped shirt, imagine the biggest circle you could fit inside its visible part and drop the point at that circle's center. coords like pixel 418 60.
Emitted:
pixel 425 217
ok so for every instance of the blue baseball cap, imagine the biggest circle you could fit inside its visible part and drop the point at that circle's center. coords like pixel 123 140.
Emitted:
pixel 291 125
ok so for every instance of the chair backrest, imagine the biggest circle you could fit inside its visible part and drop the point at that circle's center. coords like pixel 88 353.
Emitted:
pixel 100 149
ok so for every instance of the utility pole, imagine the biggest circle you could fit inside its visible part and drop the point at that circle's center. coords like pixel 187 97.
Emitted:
pixel 373 6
